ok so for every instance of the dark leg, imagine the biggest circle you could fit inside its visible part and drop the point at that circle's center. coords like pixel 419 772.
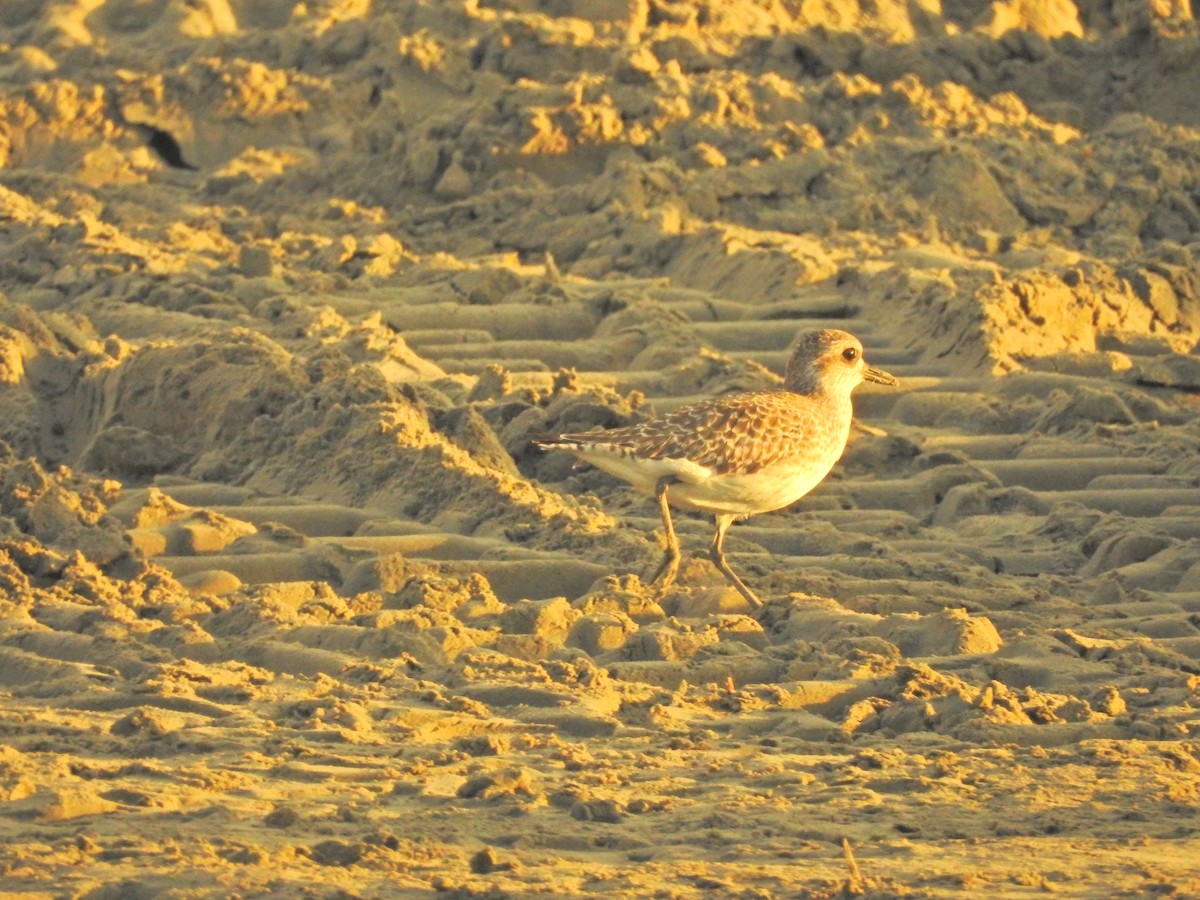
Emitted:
pixel 665 575
pixel 717 553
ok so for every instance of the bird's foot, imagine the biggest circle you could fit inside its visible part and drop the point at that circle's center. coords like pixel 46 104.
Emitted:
pixel 752 598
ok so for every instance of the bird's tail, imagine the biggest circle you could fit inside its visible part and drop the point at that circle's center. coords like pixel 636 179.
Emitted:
pixel 556 441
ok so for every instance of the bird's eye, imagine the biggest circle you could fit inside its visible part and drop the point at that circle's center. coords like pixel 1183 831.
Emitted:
pixel 850 354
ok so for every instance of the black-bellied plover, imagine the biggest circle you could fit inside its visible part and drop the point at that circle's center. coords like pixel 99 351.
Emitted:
pixel 738 454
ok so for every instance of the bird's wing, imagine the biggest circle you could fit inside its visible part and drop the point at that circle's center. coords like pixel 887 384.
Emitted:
pixel 731 434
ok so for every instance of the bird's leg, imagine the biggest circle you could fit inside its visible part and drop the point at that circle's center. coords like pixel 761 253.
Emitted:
pixel 716 552
pixel 665 575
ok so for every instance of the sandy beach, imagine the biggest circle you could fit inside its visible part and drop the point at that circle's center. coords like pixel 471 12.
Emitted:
pixel 290 605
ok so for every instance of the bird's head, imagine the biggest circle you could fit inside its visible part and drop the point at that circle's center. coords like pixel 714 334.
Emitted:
pixel 830 362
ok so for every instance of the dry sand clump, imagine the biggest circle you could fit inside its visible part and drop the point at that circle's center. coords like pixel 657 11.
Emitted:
pixel 290 606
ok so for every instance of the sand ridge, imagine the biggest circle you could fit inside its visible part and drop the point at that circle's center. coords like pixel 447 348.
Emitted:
pixel 289 605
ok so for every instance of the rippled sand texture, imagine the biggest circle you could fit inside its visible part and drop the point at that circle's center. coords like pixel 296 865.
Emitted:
pixel 289 606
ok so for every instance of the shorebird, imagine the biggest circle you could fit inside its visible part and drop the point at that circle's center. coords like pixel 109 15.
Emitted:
pixel 736 455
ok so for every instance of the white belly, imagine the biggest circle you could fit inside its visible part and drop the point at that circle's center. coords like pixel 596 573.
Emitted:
pixel 743 495
pixel 697 487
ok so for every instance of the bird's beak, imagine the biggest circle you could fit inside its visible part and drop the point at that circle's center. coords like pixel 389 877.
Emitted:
pixel 879 376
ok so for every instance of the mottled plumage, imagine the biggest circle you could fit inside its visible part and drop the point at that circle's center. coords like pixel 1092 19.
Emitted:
pixel 738 454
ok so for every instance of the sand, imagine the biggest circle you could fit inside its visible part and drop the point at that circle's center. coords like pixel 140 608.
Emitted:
pixel 290 606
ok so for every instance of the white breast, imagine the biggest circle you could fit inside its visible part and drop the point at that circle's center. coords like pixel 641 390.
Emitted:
pixel 771 488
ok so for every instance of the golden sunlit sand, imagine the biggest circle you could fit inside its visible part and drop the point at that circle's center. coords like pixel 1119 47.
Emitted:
pixel 291 606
